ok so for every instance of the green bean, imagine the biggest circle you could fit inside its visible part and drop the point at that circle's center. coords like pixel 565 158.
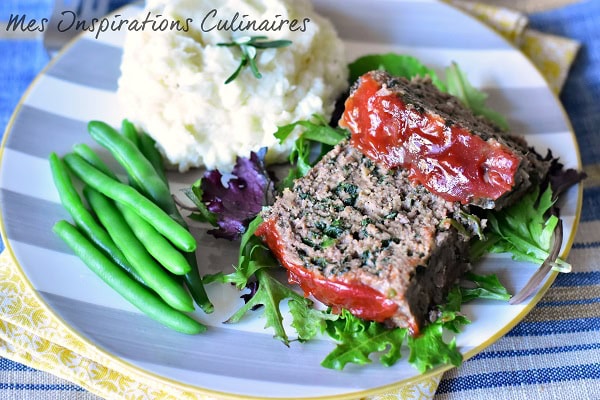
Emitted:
pixel 152 273
pixel 117 279
pixel 91 157
pixel 156 188
pixel 156 244
pixel 117 191
pixel 148 148
pixel 140 170
pixel 84 219
pixel 129 131
pixel 193 281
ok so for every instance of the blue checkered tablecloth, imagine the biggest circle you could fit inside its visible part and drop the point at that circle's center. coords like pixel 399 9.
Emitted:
pixel 553 354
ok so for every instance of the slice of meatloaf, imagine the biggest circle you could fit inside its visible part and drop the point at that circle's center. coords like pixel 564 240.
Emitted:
pixel 359 236
pixel 452 152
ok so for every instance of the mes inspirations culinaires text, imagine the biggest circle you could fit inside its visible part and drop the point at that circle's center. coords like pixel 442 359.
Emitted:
pixel 156 22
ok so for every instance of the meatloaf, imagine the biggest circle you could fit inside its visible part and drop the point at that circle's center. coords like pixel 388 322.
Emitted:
pixel 357 235
pixel 449 150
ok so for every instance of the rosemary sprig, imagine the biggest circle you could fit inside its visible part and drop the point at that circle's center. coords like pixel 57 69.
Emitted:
pixel 248 46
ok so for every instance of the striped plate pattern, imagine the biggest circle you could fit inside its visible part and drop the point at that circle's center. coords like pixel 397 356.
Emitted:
pixel 244 359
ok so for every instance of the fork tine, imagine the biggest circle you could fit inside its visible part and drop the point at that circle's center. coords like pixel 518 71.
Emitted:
pixel 52 37
pixel 93 8
pixel 86 8
pixel 54 40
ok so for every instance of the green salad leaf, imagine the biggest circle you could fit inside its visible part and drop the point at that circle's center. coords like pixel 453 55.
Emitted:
pixel 316 133
pixel 253 256
pixel 395 64
pixel 459 86
pixel 429 349
pixel 255 261
pixel 484 287
pixel 308 321
pixel 449 312
pixel 524 229
pixel 357 339
pixel 202 214
pixel 270 294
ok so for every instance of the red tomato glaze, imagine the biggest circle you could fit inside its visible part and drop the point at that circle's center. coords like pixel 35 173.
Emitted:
pixel 361 300
pixel 449 161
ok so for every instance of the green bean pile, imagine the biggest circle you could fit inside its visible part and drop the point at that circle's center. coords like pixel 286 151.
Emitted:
pixel 132 236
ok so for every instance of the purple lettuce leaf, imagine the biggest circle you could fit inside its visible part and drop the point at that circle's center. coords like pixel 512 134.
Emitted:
pixel 238 200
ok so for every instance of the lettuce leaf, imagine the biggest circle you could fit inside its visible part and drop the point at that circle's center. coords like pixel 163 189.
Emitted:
pixel 270 294
pixel 459 86
pixel 484 287
pixel 395 64
pixel 308 321
pixel 202 214
pixel 429 349
pixel 253 256
pixel 255 261
pixel 230 207
pixel 358 341
pixel 317 138
pixel 524 229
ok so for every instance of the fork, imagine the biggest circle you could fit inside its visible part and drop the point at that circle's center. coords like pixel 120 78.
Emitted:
pixel 85 10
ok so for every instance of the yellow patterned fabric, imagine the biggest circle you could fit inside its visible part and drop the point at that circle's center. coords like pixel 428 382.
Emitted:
pixel 552 55
pixel 511 24
pixel 30 334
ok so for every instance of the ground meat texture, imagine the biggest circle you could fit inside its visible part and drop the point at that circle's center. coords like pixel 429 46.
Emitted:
pixel 452 152
pixel 359 236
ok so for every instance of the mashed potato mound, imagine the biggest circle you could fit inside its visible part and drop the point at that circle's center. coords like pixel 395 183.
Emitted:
pixel 172 82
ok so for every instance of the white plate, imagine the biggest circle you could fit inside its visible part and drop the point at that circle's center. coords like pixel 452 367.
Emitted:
pixel 243 359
